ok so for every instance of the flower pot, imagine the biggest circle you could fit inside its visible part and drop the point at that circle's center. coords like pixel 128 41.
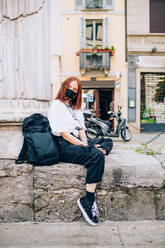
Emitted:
pixel 94 50
pixel 112 52
pixel 102 50
pixel 84 50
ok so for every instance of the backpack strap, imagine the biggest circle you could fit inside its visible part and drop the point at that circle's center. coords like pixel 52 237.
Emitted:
pixel 21 157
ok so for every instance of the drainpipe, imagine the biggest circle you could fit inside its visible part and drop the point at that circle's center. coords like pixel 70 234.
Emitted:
pixel 126 44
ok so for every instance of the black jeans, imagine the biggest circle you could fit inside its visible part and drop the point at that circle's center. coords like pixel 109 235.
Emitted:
pixel 89 156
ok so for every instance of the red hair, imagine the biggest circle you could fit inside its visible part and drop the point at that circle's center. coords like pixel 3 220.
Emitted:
pixel 76 104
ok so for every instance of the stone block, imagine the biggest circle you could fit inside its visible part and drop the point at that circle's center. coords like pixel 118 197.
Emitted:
pixel 11 141
pixel 57 205
pixel 59 176
pixel 121 204
pixel 56 190
pixel 160 204
pixel 16 192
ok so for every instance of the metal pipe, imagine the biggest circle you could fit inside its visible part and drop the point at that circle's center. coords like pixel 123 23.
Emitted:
pixel 126 43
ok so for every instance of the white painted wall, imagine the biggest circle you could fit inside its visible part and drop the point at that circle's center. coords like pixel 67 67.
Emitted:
pixel 24 49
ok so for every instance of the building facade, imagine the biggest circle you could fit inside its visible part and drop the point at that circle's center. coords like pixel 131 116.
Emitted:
pixel 90 29
pixel 146 64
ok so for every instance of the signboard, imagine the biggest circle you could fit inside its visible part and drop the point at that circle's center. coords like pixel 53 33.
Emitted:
pixel 89 97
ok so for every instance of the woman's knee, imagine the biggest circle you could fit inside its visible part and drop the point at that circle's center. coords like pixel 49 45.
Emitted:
pixel 100 155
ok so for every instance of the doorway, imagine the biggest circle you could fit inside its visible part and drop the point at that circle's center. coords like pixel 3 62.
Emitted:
pixel 105 98
pixel 98 101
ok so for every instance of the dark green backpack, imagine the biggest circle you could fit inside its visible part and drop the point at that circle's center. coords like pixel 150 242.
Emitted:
pixel 39 147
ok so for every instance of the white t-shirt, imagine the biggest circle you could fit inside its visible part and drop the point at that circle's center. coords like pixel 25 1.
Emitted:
pixel 62 118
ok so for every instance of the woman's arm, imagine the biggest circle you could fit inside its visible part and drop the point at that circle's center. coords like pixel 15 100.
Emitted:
pixel 82 136
pixel 73 140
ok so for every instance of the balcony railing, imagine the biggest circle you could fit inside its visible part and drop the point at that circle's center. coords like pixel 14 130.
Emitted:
pixel 99 61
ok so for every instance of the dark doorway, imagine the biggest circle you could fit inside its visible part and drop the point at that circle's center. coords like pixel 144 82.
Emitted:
pixel 105 98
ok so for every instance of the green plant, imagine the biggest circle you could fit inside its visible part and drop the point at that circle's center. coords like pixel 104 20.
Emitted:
pixel 112 48
pixel 95 47
pixel 139 150
pixel 145 150
pixel 163 184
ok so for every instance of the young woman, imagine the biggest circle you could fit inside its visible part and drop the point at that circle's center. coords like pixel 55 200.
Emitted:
pixel 67 123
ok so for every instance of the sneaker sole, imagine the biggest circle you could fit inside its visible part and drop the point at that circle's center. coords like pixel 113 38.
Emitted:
pixel 85 214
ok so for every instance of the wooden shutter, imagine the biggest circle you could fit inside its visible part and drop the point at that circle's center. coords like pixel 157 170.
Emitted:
pixel 79 4
pixel 106 32
pixel 106 42
pixel 82 33
pixel 108 4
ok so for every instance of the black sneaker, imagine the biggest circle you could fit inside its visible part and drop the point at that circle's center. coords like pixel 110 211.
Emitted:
pixel 89 211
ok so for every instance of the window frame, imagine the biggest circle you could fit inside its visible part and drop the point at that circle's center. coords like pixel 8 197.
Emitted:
pixel 86 5
pixel 94 23
pixel 83 6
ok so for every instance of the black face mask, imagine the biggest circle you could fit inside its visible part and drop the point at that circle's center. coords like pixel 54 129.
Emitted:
pixel 70 94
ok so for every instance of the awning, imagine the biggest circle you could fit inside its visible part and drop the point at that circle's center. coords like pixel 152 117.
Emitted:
pixel 98 84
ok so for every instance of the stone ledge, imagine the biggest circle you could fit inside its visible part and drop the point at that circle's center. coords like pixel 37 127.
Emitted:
pixel 129 191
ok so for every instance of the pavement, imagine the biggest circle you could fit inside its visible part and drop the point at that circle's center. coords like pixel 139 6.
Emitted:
pixel 138 139
pixel 138 234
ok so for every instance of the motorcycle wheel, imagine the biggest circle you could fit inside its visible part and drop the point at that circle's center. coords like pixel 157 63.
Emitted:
pixel 126 134
pixel 89 134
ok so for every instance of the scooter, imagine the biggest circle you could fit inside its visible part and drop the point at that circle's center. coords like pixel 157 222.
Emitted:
pixel 96 127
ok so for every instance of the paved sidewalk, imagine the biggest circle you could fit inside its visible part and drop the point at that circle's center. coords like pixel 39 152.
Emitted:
pixel 137 139
pixel 138 234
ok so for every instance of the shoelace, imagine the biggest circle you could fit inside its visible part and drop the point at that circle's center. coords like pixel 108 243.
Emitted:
pixel 95 211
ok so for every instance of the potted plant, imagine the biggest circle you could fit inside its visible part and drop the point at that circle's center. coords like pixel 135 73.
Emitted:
pixel 106 49
pixel 94 49
pixel 84 50
pixel 112 50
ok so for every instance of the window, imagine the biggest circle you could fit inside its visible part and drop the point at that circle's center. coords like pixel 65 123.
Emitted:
pixel 153 98
pixel 94 33
pixel 90 4
pixel 157 16
pixel 93 4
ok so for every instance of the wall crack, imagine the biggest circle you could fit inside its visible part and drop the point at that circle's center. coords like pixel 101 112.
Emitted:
pixel 5 17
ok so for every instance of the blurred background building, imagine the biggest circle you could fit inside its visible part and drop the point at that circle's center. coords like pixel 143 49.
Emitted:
pixel 146 64
pixel 89 32
pixel 116 48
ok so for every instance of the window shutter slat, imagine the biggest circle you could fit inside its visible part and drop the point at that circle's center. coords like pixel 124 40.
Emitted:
pixel 108 4
pixel 82 33
pixel 106 32
pixel 79 4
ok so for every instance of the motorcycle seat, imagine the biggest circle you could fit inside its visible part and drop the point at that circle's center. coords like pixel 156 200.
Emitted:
pixel 108 123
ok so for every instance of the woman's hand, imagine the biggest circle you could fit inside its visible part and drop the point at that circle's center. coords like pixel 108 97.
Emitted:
pixel 73 140
pixel 101 149
pixel 84 144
